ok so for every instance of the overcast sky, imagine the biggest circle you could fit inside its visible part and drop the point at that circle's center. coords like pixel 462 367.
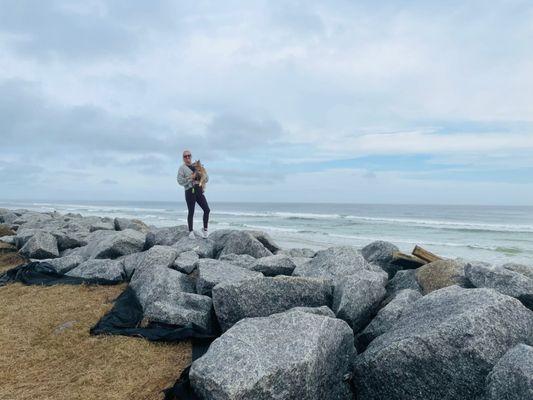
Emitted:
pixel 337 101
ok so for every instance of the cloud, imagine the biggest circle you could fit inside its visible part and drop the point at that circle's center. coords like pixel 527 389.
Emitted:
pixel 262 91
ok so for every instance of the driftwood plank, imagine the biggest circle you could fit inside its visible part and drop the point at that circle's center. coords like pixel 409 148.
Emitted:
pixel 425 255
pixel 407 261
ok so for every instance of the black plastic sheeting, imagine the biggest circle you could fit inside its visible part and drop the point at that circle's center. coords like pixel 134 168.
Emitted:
pixel 124 318
pixel 41 273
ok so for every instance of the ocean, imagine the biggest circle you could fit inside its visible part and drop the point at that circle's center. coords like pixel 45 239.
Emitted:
pixel 497 234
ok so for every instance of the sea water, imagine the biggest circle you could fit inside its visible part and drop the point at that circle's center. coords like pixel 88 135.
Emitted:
pixel 496 234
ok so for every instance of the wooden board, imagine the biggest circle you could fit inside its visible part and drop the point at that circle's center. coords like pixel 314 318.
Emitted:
pixel 407 261
pixel 425 255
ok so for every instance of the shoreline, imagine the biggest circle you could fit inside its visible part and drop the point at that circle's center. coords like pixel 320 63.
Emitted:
pixel 495 237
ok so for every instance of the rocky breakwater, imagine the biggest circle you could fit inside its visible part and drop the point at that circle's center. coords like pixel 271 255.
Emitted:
pixel 340 323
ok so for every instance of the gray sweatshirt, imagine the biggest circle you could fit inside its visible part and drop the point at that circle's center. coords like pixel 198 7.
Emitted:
pixel 184 177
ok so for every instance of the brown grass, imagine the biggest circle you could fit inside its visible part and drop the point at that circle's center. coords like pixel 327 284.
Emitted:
pixel 6 231
pixel 46 351
pixel 10 260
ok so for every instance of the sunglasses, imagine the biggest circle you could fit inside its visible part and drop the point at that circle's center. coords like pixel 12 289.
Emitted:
pixel 187 156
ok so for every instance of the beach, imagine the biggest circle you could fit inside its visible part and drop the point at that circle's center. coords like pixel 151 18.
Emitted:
pixel 495 234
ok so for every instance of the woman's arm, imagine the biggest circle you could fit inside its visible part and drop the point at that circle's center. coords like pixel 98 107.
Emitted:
pixel 182 177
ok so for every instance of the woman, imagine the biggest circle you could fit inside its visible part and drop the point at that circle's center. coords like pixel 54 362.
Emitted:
pixel 187 178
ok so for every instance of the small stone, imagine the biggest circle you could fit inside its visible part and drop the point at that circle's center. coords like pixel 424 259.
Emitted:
pixel 112 270
pixel 41 245
pixel 212 272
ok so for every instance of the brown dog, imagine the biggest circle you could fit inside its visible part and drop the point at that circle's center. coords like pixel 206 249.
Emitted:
pixel 201 174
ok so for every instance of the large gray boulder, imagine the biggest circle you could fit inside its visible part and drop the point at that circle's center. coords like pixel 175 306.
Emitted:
pixel 444 347
pixel 113 244
pixel 299 252
pixel 261 297
pixel 278 264
pixel 156 256
pixel 526 270
pixel 503 280
pixel 40 246
pixel 266 240
pixel 65 264
pixel 356 298
pixel 335 263
pixel 112 270
pixel 388 315
pixel 205 248
pixel 165 236
pixel 404 279
pixel 240 260
pixel 168 296
pixel 126 223
pixel 440 274
pixel 292 355
pixel 212 272
pixel 512 376
pixel 381 253
pixel 241 242
pixel 186 261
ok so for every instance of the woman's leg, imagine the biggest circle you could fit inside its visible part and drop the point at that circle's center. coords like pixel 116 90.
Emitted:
pixel 191 201
pixel 202 202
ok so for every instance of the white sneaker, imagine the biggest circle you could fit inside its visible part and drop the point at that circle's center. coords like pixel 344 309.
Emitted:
pixel 191 235
pixel 205 234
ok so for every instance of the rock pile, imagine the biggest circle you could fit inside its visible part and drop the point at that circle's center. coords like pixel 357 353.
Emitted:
pixel 292 318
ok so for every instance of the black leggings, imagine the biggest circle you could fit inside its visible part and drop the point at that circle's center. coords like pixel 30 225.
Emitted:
pixel 193 198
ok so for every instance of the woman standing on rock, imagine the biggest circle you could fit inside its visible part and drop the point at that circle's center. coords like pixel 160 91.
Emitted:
pixel 188 178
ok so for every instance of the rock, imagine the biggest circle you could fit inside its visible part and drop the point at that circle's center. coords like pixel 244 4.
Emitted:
pixel 380 253
pixel 157 256
pixel 168 296
pixel 293 355
pixel 212 272
pixel 404 279
pixel 240 260
pixel 112 270
pixel 8 218
pixel 503 280
pixel 205 248
pixel 241 242
pixel 135 224
pixel 6 230
pixel 440 274
pixel 307 253
pixel 9 240
pixel 387 316
pixel 325 311
pixel 65 264
pixel 97 223
pixel 274 265
pixel 444 347
pixel 335 263
pixel 299 260
pixel 41 245
pixel 113 244
pixel 7 248
pixel 165 236
pixel 356 298
pixel 265 239
pixel 512 376
pixel 521 269
pixel 186 262
pixel 261 297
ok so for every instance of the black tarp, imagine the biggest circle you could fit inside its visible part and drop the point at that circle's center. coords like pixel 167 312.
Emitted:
pixel 124 318
pixel 41 273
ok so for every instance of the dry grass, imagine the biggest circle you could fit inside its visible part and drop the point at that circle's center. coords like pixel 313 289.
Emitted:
pixel 10 260
pixel 47 352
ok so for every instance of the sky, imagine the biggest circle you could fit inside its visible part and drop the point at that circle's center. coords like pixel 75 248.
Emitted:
pixel 283 101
